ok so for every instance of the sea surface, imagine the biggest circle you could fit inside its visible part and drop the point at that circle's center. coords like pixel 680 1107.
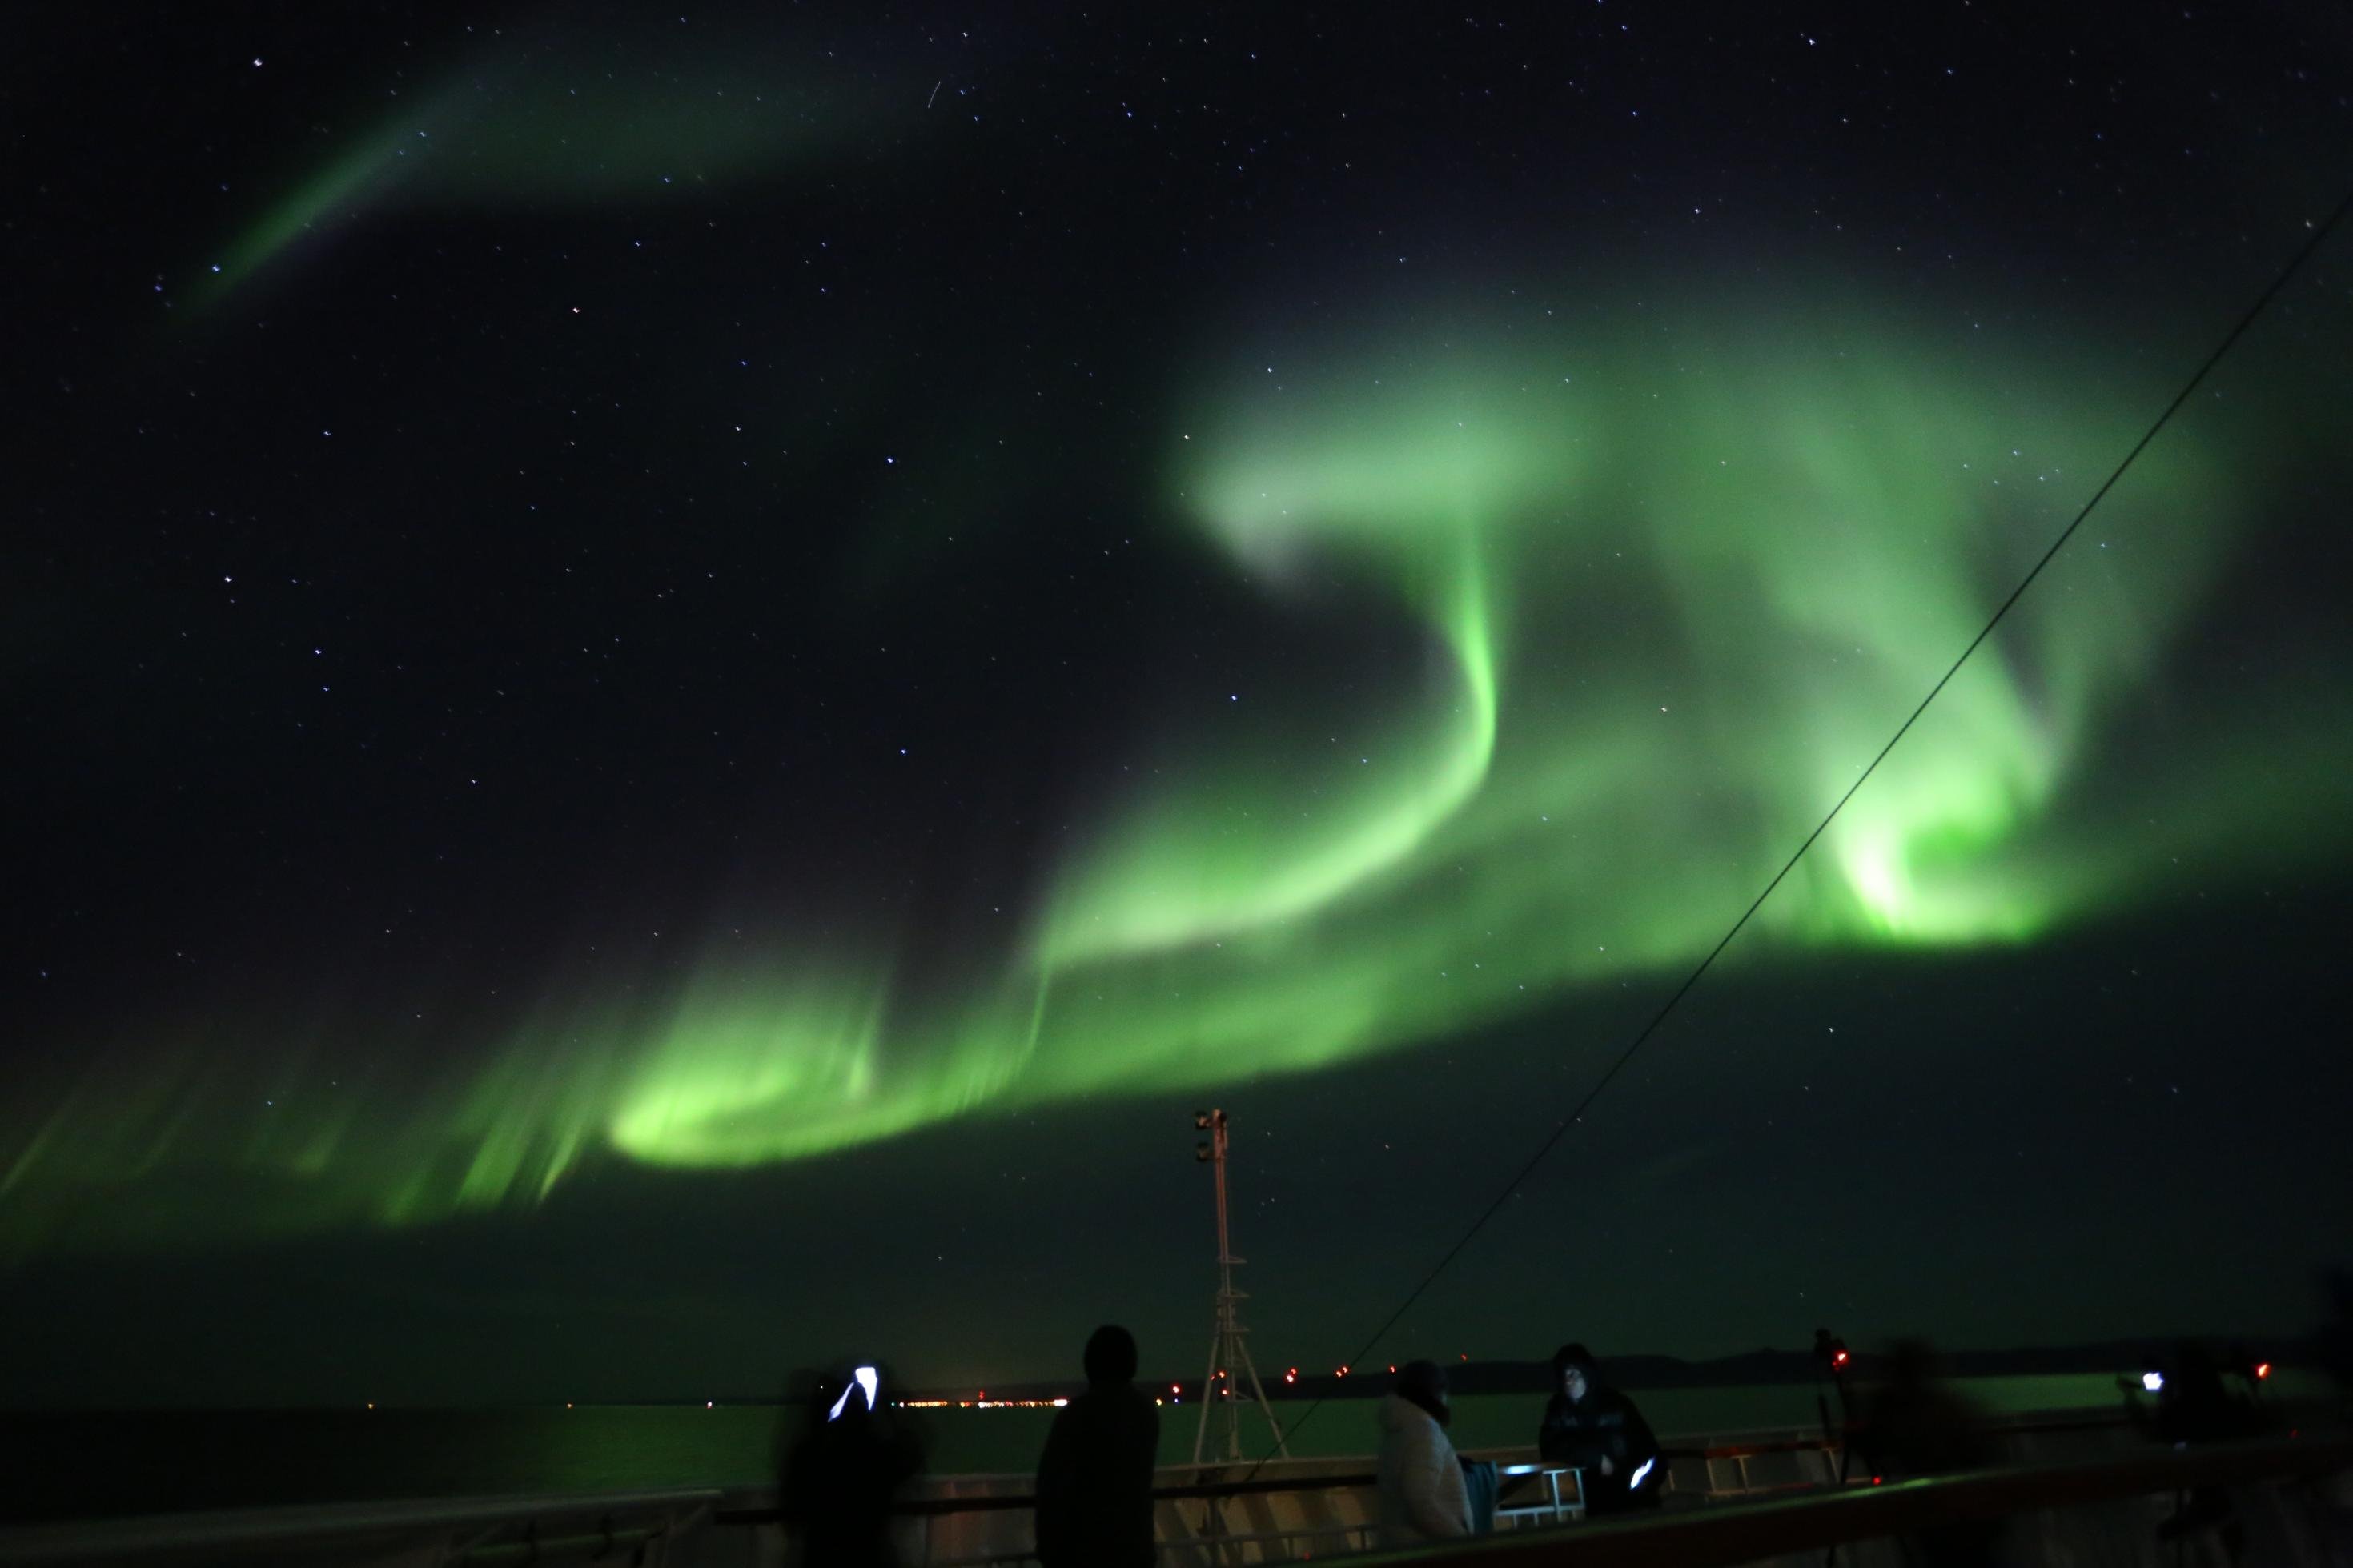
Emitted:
pixel 98 1464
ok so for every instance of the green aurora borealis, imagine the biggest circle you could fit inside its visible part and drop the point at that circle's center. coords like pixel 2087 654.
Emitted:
pixel 1644 592
pixel 573 124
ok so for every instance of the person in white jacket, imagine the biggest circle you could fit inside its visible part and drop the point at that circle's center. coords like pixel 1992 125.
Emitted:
pixel 1422 1496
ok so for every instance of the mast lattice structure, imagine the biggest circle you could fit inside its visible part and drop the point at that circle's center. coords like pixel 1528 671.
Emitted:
pixel 1229 1356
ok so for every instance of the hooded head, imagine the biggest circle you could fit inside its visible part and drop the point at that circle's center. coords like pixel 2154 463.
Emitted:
pixel 2196 1379
pixel 1422 1384
pixel 1911 1363
pixel 1111 1355
pixel 1575 1374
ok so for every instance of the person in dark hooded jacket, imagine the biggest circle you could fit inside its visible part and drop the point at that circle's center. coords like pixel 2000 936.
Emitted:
pixel 1094 1480
pixel 1590 1426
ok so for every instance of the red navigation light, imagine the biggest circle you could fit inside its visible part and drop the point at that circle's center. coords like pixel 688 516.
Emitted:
pixel 2262 1370
pixel 1174 1389
pixel 1466 1356
pixel 1839 1356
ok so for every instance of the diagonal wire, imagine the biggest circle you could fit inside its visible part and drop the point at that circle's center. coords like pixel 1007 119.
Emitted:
pixel 1560 1128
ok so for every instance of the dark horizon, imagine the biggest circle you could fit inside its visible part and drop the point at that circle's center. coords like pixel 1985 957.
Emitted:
pixel 2287 1356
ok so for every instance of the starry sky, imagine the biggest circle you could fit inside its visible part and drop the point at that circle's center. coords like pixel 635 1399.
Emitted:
pixel 677 684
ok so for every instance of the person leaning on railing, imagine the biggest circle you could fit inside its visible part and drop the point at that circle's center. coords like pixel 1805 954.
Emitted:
pixel 1422 1495
pixel 1915 1425
pixel 1094 1480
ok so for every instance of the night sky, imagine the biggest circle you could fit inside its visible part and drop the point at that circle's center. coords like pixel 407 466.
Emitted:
pixel 675 684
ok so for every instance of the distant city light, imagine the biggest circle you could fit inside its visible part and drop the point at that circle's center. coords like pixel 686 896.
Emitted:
pixel 979 1404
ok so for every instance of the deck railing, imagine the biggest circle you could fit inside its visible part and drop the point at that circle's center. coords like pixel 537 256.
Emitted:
pixel 1718 1513
pixel 614 1525
pixel 1748 1532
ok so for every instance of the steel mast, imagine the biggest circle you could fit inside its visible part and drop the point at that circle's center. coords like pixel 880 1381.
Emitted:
pixel 1229 1344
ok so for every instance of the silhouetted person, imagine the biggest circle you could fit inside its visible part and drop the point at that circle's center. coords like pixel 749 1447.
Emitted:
pixel 1094 1480
pixel 844 1472
pixel 2332 1350
pixel 1594 1428
pixel 2332 1342
pixel 2194 1407
pixel 1914 1425
pixel 1422 1496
